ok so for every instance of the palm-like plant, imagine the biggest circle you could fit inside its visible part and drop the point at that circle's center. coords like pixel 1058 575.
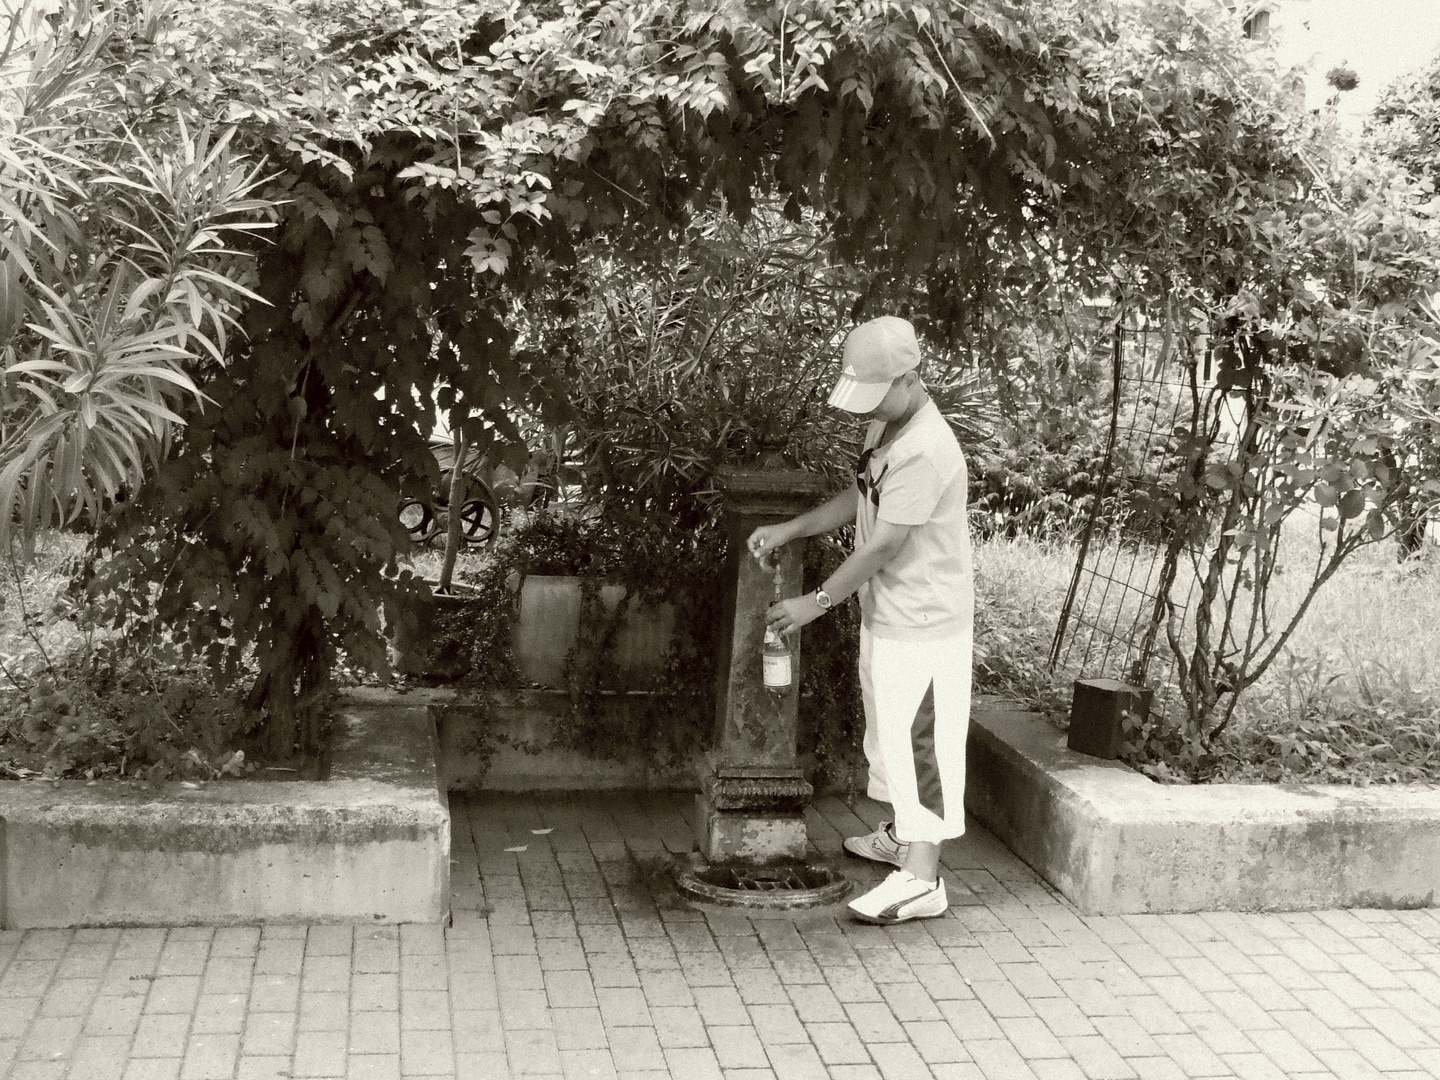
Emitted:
pixel 118 277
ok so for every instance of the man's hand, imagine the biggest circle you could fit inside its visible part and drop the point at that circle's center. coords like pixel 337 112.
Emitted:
pixel 764 540
pixel 790 615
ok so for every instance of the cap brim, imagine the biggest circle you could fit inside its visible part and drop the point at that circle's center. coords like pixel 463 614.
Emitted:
pixel 855 396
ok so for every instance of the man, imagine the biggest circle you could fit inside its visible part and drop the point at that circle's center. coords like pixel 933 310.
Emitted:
pixel 911 569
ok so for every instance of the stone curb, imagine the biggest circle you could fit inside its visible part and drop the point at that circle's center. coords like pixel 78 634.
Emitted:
pixel 1115 842
pixel 370 844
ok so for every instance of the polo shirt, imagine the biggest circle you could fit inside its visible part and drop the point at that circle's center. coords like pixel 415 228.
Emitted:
pixel 918 479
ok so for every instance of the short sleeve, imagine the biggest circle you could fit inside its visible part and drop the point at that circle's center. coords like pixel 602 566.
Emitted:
pixel 910 492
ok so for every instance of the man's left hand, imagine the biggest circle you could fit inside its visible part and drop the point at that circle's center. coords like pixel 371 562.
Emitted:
pixel 790 615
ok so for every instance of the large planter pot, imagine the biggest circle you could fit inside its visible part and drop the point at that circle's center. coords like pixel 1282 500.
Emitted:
pixel 544 633
pixel 548 628
pixel 417 647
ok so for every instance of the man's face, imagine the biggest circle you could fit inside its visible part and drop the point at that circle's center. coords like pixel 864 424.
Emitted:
pixel 893 405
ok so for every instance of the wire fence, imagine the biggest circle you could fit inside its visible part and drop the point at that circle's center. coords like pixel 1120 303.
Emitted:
pixel 1136 574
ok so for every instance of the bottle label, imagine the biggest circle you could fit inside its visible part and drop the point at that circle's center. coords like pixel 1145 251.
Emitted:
pixel 777 670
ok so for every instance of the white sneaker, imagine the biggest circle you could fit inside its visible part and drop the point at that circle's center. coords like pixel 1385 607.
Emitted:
pixel 878 846
pixel 901 897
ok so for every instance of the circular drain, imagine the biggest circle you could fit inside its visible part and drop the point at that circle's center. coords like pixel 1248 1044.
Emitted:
pixel 783 885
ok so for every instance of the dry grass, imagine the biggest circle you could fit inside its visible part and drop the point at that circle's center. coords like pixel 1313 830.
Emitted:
pixel 1354 696
pixel 34 621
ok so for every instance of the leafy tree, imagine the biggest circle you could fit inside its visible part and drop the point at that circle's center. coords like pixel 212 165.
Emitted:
pixel 1406 122
pixel 440 163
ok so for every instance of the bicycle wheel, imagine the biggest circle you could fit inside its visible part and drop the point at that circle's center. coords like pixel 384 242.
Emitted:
pixel 480 519
pixel 418 519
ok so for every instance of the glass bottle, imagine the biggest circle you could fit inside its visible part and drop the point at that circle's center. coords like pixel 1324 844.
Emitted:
pixel 776 667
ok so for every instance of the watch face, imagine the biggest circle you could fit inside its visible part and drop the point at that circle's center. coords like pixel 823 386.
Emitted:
pixel 822 598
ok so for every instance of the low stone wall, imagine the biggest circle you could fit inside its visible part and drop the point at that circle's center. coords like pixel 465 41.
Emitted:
pixel 1115 842
pixel 474 759
pixel 370 844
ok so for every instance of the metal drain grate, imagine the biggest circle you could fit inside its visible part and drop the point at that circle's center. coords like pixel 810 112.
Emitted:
pixel 764 880
pixel 783 885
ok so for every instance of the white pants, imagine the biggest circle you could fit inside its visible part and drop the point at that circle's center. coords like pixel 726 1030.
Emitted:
pixel 917 716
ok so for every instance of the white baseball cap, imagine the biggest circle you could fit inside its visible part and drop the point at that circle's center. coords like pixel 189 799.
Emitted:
pixel 876 353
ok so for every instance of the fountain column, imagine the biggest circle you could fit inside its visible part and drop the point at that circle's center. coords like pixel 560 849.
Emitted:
pixel 753 794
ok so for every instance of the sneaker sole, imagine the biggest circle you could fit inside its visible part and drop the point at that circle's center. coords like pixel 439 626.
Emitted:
pixel 881 920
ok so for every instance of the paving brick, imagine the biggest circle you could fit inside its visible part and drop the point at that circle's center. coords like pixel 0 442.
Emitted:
pixel 678 1026
pixel 1031 980
pixel 429 1053
pixel 838 1043
pixel 166 1068
pixel 1178 993
pixel 936 1041
pixel 910 1002
pixel 375 991
pixel 1125 1034
pixel 1002 999
pixel 636 1049
pixel 1286 1051
pixel 99 1057
pixel 1253 1067
pixel 1063 1017
pixel 275 993
pixel 1329 1008
pixel 531 1053
pixel 268 1035
pixel 161 1035
pixel 387 1067
pixel 1032 1037
pixel 1220 1035
pixel 796 1061
pixel 998 1059
pixel 1242 1010
pixel 108 1015
pixel 874 1022
pixel 693 1063
pixel 173 994
pixel 1378 1050
pixel 1312 1032
pixel 900 1061
pixel 182 957
pixel 319 1053
pixel 721 1005
pixel 762 987
pixel 521 1009
pixel 210 1056
pixel 738 1047
pixel 323 1010
pixel 1193 1056
pixel 623 1007
pixel 1093 997
pixel 374 1033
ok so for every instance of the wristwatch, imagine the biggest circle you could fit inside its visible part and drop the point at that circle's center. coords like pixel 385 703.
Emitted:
pixel 823 599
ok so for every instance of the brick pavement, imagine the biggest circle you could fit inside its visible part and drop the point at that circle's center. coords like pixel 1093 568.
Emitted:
pixel 572 958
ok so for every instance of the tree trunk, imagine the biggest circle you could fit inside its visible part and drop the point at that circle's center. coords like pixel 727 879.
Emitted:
pixel 454 535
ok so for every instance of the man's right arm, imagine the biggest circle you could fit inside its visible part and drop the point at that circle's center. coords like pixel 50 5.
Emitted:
pixel 837 511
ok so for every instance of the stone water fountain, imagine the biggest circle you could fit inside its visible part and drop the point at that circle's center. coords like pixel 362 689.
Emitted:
pixel 750 813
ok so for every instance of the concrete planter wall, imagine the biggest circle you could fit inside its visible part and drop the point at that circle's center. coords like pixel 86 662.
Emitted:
pixel 1114 842
pixel 504 744
pixel 371 844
